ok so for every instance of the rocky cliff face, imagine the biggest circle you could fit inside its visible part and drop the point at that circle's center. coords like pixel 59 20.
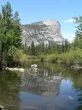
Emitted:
pixel 44 31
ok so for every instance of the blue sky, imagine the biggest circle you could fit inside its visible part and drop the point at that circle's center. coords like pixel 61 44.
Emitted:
pixel 37 10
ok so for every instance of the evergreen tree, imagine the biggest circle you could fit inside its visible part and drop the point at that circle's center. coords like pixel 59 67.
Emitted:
pixel 32 48
pixel 66 48
pixel 78 38
pixel 10 32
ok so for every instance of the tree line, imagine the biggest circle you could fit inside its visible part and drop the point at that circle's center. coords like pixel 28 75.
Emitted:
pixel 50 48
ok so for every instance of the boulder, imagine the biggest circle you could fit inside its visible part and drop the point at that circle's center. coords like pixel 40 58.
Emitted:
pixel 1 107
pixel 76 67
pixel 34 66
pixel 15 69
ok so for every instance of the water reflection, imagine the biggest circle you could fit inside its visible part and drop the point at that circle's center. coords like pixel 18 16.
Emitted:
pixel 42 83
pixel 55 87
pixel 9 90
pixel 77 84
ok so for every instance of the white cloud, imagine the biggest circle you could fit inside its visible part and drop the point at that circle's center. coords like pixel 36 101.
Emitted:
pixel 69 21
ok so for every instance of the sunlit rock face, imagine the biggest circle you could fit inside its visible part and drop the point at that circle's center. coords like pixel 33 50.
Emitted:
pixel 42 32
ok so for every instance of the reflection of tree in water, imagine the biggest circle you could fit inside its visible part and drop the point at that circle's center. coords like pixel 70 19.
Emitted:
pixel 9 90
pixel 77 83
pixel 79 99
pixel 42 84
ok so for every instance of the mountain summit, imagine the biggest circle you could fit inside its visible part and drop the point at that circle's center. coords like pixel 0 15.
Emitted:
pixel 42 32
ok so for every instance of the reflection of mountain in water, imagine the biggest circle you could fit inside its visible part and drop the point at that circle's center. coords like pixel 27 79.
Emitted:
pixel 44 85
pixel 29 94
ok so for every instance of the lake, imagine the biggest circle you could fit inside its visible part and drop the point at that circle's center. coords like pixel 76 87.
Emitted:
pixel 53 87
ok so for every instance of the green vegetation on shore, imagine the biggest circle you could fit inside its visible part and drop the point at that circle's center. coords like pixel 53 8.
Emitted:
pixel 68 58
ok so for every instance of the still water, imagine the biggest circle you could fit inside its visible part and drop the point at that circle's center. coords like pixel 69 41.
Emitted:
pixel 53 87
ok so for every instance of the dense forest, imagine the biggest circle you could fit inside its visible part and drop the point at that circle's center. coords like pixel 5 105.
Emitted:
pixel 13 53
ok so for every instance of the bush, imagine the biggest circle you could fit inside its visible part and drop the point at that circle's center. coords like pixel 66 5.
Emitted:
pixel 68 58
pixel 23 57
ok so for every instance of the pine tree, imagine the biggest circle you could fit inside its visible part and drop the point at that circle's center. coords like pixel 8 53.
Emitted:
pixel 32 48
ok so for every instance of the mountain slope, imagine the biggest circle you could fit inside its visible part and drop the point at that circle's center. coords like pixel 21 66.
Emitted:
pixel 43 31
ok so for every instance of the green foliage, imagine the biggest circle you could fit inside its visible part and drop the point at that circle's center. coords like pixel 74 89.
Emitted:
pixel 78 38
pixel 68 58
pixel 22 57
pixel 10 32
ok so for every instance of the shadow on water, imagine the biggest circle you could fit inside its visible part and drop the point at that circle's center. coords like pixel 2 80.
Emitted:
pixel 54 87
pixel 9 90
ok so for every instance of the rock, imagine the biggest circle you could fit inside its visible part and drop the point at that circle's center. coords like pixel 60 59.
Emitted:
pixel 1 107
pixel 76 66
pixel 34 69
pixel 21 69
pixel 42 32
pixel 34 66
pixel 15 69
